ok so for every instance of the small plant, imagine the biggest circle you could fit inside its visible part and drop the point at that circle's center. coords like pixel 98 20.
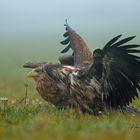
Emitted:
pixel 25 100
pixel 4 101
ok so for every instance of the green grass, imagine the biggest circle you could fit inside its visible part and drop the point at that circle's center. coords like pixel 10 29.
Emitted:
pixel 39 120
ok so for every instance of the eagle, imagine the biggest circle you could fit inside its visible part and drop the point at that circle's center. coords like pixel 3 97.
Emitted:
pixel 52 80
pixel 102 81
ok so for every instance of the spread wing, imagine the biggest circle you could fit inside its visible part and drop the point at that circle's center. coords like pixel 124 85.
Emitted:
pixel 81 53
pixel 34 64
pixel 117 68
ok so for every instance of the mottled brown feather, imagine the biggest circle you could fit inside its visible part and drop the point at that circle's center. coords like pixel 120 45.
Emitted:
pixel 54 92
pixel 82 54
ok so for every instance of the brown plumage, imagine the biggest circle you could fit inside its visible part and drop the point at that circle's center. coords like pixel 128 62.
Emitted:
pixel 81 53
pixel 35 64
pixel 106 80
pixel 52 80
pixel 53 85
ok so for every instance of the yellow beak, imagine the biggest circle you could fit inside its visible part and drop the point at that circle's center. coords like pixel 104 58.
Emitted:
pixel 32 74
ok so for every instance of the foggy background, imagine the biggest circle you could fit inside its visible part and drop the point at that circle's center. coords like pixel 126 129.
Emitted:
pixel 32 29
pixel 38 16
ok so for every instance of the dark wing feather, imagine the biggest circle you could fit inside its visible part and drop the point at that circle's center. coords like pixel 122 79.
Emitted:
pixel 125 47
pixel 112 41
pixel 66 34
pixel 117 70
pixel 82 54
pixel 123 41
pixel 133 51
pixel 66 49
pixel 125 68
pixel 66 41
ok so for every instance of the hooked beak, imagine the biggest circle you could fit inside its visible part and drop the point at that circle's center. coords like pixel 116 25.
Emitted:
pixel 32 74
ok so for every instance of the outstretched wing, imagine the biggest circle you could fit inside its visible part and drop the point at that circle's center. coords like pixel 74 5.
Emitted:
pixel 82 54
pixel 34 64
pixel 117 68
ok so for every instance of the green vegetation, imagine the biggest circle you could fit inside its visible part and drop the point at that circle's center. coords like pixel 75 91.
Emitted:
pixel 38 120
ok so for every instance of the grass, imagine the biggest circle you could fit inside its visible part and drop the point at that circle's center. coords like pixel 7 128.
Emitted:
pixel 38 120
pixel 44 121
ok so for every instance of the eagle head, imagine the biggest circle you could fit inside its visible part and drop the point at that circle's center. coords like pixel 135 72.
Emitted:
pixel 35 73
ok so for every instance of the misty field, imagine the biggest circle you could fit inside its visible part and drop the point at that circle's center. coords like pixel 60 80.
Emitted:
pixel 38 120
